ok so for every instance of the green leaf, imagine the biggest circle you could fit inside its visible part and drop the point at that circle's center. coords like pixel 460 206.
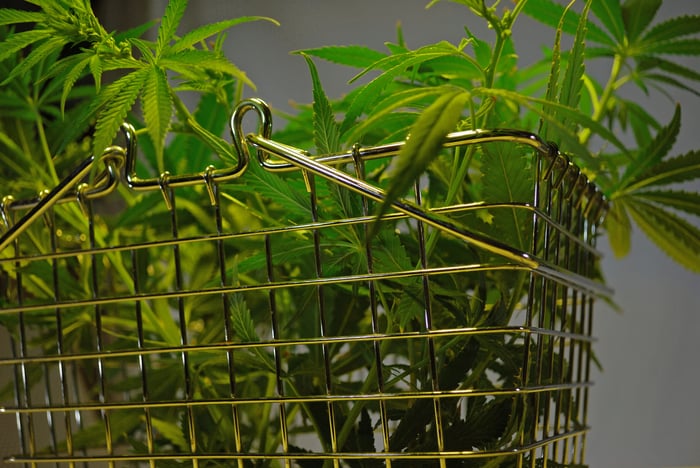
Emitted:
pixel 610 14
pixel 295 204
pixel 192 62
pixel 681 200
pixel 171 431
pixel 637 15
pixel 52 45
pixel 553 80
pixel 13 16
pixel 326 129
pixel 244 330
pixel 569 139
pixel 112 115
pixel 570 94
pixel 424 143
pixel 552 14
pixel 657 149
pixel 673 29
pixel 669 67
pixel 679 239
pixel 351 56
pixel 680 169
pixel 211 115
pixel 389 105
pixel 393 66
pixel 619 229
pixel 75 69
pixel 203 32
pixel 507 177
pixel 672 47
pixel 157 110
pixel 169 23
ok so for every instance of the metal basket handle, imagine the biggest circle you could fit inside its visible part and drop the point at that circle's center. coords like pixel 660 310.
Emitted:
pixel 295 159
pixel 68 189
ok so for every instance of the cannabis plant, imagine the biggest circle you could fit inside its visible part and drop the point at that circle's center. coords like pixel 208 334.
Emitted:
pixel 166 328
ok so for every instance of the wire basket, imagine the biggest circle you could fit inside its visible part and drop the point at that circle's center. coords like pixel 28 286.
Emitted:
pixel 213 331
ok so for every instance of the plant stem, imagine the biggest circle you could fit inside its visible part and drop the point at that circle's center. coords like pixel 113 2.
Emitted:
pixel 610 87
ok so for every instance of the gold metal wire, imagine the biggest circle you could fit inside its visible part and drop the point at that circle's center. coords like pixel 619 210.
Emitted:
pixel 62 392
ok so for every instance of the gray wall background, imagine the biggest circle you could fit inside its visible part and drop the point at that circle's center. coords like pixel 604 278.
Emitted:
pixel 644 408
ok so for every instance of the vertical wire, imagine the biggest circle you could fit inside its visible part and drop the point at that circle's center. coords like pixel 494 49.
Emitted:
pixel 581 311
pixel 539 291
pixel 275 351
pixel 228 328
pixel 590 237
pixel 142 362
pixel 530 307
pixel 99 338
pixel 62 371
pixel 372 287
pixel 545 343
pixel 328 383
pixel 27 439
pixel 170 198
pixel 560 293
pixel 428 323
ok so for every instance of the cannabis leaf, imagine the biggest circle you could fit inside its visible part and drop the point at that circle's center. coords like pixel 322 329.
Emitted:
pixel 643 196
pixel 423 143
pixel 326 129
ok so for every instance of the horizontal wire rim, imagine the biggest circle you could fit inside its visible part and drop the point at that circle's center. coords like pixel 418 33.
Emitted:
pixel 550 271
pixel 321 398
pixel 446 454
pixel 304 227
pixel 281 343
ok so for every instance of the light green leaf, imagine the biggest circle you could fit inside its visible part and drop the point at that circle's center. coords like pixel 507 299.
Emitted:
pixel 75 71
pixel 569 140
pixel 52 45
pixel 652 154
pixel 679 239
pixel 191 63
pixel 570 94
pixel 203 32
pixel 637 15
pixel 673 29
pixel 553 80
pixel 681 200
pixel 96 71
pixel 296 205
pixel 424 143
pixel 244 330
pixel 171 431
pixel 389 105
pixel 157 110
pixel 508 177
pixel 112 115
pixel 679 169
pixel 393 66
pixel 13 16
pixel 169 23
pixel 619 229
pixel 351 56
pixel 326 129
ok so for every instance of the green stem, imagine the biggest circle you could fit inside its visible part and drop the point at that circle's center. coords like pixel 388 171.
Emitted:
pixel 43 142
pixel 610 87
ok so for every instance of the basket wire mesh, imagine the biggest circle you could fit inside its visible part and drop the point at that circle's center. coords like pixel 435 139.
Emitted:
pixel 120 355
